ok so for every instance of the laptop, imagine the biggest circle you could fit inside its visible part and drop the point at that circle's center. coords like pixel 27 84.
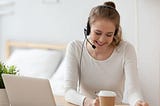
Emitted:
pixel 28 91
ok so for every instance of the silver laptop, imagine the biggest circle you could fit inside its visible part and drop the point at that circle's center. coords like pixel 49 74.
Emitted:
pixel 28 91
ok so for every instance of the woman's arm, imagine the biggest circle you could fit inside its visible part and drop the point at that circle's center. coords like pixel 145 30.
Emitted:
pixel 131 76
pixel 71 74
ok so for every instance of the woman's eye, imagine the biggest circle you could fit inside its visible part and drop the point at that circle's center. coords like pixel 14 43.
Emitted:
pixel 97 33
pixel 109 35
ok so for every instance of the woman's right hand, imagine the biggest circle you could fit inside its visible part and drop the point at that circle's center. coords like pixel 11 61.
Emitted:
pixel 96 102
pixel 91 102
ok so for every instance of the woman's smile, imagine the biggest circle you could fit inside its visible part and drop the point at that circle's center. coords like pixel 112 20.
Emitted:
pixel 99 43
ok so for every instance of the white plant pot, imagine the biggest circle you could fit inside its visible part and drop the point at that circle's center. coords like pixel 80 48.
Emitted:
pixel 3 98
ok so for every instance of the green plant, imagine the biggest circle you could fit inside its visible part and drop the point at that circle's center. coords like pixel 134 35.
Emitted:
pixel 4 69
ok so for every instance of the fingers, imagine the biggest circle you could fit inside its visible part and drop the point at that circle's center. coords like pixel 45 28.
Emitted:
pixel 142 103
pixel 96 102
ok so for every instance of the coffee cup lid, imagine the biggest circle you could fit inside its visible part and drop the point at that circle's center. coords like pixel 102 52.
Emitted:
pixel 106 93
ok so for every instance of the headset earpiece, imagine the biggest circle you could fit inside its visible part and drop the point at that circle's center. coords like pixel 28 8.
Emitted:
pixel 116 31
pixel 88 28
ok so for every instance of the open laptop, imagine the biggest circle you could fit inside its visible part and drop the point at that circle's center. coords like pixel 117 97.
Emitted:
pixel 28 91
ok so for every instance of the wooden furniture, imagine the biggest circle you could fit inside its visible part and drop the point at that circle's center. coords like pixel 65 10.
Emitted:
pixel 60 101
pixel 29 45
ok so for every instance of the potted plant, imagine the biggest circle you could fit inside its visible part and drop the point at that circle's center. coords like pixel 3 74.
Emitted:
pixel 4 69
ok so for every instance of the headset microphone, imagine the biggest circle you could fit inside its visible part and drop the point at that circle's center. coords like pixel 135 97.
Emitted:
pixel 85 33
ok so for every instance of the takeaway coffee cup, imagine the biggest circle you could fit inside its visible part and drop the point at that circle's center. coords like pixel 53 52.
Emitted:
pixel 107 98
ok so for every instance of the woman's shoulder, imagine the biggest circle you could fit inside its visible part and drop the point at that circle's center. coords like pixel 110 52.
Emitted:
pixel 75 45
pixel 124 45
pixel 75 42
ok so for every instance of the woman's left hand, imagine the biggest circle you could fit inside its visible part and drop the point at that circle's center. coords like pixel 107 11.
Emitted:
pixel 141 103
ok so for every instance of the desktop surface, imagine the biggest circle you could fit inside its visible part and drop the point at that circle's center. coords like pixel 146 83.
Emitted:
pixel 60 101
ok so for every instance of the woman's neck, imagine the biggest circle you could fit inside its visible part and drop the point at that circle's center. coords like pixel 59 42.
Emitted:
pixel 100 54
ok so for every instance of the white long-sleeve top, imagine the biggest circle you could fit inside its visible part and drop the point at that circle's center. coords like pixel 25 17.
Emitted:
pixel 117 72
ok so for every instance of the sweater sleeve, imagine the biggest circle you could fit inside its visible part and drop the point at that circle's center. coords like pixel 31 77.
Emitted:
pixel 71 75
pixel 131 76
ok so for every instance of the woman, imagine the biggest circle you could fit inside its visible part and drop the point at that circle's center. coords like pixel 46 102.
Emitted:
pixel 102 62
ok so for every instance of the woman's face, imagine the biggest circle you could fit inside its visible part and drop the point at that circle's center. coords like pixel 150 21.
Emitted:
pixel 102 33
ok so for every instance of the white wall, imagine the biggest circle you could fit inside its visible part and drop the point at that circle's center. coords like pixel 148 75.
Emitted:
pixel 62 22
pixel 148 43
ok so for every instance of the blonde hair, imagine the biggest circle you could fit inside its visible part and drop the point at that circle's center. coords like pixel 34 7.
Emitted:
pixel 107 11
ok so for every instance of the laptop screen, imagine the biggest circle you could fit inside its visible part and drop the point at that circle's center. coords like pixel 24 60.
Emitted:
pixel 28 91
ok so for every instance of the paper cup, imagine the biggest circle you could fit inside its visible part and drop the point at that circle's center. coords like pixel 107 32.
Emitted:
pixel 107 98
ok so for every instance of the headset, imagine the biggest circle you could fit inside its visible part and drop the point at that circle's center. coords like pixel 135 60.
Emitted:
pixel 88 28
pixel 86 33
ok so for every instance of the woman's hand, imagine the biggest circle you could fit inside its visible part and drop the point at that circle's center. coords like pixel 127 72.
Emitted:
pixel 91 102
pixel 141 103
pixel 96 102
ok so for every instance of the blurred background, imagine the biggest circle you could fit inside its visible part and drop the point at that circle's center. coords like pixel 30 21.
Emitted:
pixel 61 21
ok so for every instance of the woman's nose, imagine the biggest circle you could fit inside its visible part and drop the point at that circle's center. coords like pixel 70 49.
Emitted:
pixel 102 38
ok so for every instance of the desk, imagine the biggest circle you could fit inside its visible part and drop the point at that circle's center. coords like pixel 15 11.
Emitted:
pixel 60 101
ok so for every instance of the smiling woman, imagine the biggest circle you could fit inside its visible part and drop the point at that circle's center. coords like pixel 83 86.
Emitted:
pixel 102 39
pixel 110 65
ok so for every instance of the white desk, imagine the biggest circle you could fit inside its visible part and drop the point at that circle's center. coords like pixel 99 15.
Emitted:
pixel 60 101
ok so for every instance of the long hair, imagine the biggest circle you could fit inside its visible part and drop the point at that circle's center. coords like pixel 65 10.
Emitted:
pixel 107 11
